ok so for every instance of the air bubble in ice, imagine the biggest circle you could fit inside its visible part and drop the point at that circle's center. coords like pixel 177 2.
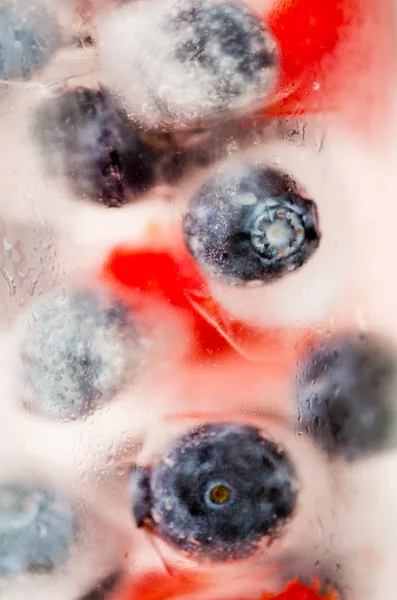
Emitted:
pixel 79 353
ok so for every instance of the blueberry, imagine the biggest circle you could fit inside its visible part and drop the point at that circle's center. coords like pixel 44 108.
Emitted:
pixel 188 62
pixel 217 492
pixel 87 136
pixel 37 527
pixel 78 353
pixel 29 36
pixel 250 225
pixel 228 44
pixel 346 395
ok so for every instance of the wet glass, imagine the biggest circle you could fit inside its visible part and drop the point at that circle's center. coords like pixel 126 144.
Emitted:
pixel 197 299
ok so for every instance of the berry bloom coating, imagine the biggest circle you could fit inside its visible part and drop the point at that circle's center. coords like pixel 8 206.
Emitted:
pixel 78 352
pixel 87 136
pixel 249 224
pixel 36 529
pixel 345 392
pixel 217 492
pixel 180 63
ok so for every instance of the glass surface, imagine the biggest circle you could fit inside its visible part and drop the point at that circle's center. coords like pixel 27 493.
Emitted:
pixel 198 299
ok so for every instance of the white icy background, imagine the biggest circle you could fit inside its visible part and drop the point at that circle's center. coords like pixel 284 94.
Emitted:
pixel 347 513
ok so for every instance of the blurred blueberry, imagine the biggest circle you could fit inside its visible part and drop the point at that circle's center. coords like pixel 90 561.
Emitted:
pixel 37 528
pixel 249 224
pixel 182 63
pixel 217 492
pixel 229 44
pixel 87 136
pixel 29 36
pixel 78 353
pixel 346 394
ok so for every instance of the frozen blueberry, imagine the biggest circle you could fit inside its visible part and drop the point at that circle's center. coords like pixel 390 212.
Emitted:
pixel 78 352
pixel 250 224
pixel 217 492
pixel 87 136
pixel 227 42
pixel 29 36
pixel 181 61
pixel 346 395
pixel 37 527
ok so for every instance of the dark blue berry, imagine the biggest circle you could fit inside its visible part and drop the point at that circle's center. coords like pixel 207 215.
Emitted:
pixel 37 528
pixel 250 225
pixel 87 136
pixel 229 45
pixel 345 394
pixel 217 492
pixel 29 36
pixel 78 352
pixel 185 63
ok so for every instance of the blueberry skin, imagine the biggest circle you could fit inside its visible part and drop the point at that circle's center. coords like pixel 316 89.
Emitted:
pixel 87 136
pixel 227 42
pixel 37 527
pixel 346 395
pixel 29 37
pixel 250 224
pixel 79 352
pixel 175 496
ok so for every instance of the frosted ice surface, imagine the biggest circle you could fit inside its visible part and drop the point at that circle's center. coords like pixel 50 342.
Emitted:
pixel 345 518
pixel 170 70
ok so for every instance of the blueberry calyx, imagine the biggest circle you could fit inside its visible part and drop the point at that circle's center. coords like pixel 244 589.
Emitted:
pixel 280 227
pixel 250 226
pixel 217 492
